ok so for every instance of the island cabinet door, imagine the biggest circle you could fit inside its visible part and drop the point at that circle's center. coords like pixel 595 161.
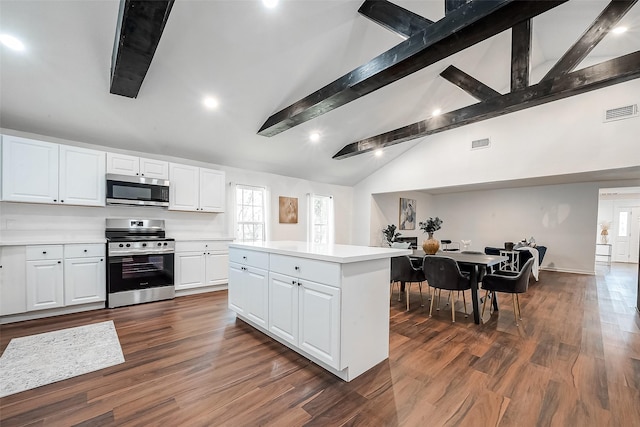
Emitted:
pixel 256 295
pixel 319 324
pixel 236 287
pixel 283 307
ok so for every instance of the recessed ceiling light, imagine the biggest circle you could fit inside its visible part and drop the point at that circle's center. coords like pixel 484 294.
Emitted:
pixel 619 30
pixel 436 112
pixel 378 152
pixel 314 136
pixel 11 42
pixel 210 103
pixel 270 3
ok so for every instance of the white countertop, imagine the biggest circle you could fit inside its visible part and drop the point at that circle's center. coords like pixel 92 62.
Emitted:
pixel 187 238
pixel 333 253
pixel 46 241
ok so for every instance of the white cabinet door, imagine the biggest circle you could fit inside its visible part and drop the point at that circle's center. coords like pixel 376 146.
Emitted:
pixel 29 170
pixel 212 190
pixel 256 295
pixel 13 283
pixel 44 284
pixel 236 287
pixel 154 168
pixel 216 268
pixel 82 176
pixel 283 307
pixel 319 315
pixel 184 187
pixel 190 268
pixel 84 280
pixel 123 164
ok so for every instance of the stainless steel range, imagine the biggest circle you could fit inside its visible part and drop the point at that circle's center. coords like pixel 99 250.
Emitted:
pixel 140 262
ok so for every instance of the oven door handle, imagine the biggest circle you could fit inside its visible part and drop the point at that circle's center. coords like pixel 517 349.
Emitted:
pixel 127 254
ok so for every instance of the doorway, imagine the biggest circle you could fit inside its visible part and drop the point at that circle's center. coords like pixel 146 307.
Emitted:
pixel 619 215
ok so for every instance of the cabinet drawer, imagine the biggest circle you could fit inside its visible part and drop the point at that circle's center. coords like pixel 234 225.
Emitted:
pixel 84 250
pixel 253 258
pixel 201 246
pixel 44 252
pixel 308 269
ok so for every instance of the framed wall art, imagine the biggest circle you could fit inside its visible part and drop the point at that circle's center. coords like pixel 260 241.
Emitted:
pixel 407 214
pixel 288 210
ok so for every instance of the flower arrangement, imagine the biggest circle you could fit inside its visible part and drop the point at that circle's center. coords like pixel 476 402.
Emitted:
pixel 390 234
pixel 431 225
pixel 604 231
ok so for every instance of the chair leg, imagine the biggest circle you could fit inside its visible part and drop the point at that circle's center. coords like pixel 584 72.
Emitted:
pixel 439 295
pixel 464 301
pixel 515 308
pixel 453 310
pixel 484 304
pixel 407 291
pixel 433 298
pixel 519 312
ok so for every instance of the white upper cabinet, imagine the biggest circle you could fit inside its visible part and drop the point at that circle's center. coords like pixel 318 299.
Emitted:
pixel 123 164
pixel 29 170
pixel 212 194
pixel 43 172
pixel 81 176
pixel 196 189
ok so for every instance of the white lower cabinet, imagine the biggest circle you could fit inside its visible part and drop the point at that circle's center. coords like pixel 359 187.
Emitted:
pixel 45 287
pixel 84 274
pixel 13 294
pixel 201 263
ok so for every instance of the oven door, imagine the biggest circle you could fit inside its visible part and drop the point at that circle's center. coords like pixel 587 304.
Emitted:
pixel 135 272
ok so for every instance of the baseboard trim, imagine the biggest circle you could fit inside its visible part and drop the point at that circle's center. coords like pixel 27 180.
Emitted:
pixel 568 270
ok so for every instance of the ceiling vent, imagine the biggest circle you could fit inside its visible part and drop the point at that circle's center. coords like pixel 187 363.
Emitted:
pixel 626 112
pixel 480 143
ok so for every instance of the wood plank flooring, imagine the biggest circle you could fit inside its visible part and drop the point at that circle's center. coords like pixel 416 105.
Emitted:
pixel 573 361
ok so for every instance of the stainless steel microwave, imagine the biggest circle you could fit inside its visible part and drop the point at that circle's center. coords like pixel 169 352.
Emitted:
pixel 137 190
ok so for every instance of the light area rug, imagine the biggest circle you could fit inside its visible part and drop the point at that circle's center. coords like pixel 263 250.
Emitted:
pixel 37 360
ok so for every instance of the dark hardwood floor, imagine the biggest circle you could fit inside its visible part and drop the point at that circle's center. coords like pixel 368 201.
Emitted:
pixel 573 361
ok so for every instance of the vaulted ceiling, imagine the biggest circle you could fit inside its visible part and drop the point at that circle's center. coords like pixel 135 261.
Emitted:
pixel 255 61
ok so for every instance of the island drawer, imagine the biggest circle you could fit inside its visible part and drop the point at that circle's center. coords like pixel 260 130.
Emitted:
pixel 252 258
pixel 304 268
pixel 201 246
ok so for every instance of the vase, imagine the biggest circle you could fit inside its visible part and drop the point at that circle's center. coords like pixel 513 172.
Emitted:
pixel 431 245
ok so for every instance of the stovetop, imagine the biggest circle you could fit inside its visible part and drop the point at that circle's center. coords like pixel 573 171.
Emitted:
pixel 139 239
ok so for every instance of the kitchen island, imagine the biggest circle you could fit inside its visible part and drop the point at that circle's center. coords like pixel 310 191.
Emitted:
pixel 329 303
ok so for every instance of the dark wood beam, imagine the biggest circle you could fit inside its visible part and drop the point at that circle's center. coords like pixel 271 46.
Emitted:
pixel 451 5
pixel 609 17
pixel 464 81
pixel 605 74
pixel 393 17
pixel 520 55
pixel 462 28
pixel 140 25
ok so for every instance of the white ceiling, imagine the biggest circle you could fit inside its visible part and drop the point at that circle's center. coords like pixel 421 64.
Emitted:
pixel 256 61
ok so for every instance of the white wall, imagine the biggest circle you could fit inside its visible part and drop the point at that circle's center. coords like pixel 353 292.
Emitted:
pixel 19 221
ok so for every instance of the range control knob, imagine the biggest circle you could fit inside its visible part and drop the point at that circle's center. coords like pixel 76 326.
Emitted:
pixel 165 243
pixel 159 244
pixel 128 245
pixel 144 245
pixel 121 245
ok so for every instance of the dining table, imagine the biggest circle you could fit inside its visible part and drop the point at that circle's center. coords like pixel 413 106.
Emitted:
pixel 474 260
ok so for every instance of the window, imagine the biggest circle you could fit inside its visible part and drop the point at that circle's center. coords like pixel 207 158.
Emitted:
pixel 320 219
pixel 250 213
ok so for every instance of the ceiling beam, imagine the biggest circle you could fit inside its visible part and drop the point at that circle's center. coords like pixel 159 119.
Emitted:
pixel 462 28
pixel 464 81
pixel 520 55
pixel 451 5
pixel 140 25
pixel 605 74
pixel 609 17
pixel 395 18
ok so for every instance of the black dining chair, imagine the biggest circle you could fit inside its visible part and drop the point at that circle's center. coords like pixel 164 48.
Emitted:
pixel 402 271
pixel 443 273
pixel 511 282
